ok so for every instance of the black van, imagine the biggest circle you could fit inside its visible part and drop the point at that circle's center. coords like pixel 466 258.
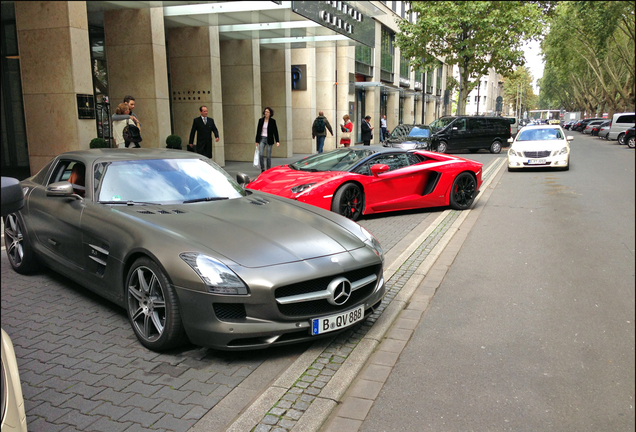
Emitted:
pixel 468 132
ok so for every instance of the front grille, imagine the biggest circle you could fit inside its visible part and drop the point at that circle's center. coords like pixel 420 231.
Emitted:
pixel 536 154
pixel 229 312
pixel 315 307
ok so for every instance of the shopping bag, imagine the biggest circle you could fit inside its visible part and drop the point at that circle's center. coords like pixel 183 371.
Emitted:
pixel 256 158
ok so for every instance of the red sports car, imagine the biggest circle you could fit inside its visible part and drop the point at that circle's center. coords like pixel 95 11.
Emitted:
pixel 354 181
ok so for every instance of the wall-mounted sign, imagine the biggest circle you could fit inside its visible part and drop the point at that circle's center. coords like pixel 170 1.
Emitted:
pixel 340 17
pixel 299 77
pixel 85 106
pixel 352 83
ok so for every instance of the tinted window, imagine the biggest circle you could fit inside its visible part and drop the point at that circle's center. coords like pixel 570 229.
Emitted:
pixel 420 132
pixel 477 123
pixel 460 124
pixel 626 119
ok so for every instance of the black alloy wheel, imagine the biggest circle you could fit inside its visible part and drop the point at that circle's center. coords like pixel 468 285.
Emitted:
pixel 19 251
pixel 463 191
pixel 348 201
pixel 152 306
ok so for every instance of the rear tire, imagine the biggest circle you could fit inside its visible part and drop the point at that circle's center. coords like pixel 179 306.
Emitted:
pixel 495 147
pixel 18 247
pixel 463 191
pixel 348 201
pixel 621 139
pixel 630 142
pixel 442 147
pixel 153 308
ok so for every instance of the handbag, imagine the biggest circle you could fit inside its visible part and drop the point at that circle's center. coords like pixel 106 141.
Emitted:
pixel 256 158
pixel 131 133
pixel 345 135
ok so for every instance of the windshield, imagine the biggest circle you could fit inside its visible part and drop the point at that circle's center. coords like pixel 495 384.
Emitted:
pixel 164 181
pixel 336 160
pixel 420 132
pixel 441 123
pixel 539 134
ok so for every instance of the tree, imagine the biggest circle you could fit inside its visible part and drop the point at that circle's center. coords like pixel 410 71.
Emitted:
pixel 476 35
pixel 518 90
pixel 589 54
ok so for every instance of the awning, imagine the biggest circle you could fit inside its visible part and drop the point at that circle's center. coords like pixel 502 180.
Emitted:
pixel 384 86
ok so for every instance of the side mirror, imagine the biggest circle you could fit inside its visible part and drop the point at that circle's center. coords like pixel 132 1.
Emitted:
pixel 510 140
pixel 242 179
pixel 12 195
pixel 61 189
pixel 378 169
pixel 569 137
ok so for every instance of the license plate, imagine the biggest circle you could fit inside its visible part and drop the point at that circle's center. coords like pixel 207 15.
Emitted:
pixel 536 161
pixel 337 322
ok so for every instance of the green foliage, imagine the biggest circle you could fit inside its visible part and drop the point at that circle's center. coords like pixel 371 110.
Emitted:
pixel 173 142
pixel 475 35
pixel 518 90
pixel 99 143
pixel 589 54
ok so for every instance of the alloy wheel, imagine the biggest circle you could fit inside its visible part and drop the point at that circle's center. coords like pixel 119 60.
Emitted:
pixel 14 240
pixel 146 303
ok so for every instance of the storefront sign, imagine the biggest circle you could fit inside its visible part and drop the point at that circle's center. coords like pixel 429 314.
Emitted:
pixel 340 17
pixel 85 106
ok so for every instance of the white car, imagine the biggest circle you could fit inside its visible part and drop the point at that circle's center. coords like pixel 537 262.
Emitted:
pixel 540 146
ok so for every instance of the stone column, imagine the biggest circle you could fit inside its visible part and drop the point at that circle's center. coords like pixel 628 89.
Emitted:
pixel 345 66
pixel 241 86
pixel 52 75
pixel 276 94
pixel 326 92
pixel 304 102
pixel 136 56
pixel 195 76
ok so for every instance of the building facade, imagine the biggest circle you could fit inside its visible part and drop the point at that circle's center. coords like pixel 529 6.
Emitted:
pixel 67 64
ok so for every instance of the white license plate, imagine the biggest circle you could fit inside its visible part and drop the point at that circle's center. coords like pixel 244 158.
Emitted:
pixel 536 161
pixel 337 322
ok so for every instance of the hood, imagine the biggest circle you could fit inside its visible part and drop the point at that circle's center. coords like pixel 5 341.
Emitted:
pixel 550 145
pixel 254 231
pixel 280 180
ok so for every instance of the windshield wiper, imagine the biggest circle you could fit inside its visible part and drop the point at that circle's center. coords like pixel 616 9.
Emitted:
pixel 205 199
pixel 129 202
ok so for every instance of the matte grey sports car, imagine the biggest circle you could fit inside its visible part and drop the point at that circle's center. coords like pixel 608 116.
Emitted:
pixel 172 238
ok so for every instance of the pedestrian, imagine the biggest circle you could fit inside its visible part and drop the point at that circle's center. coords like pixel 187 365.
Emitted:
pixel 122 110
pixel 384 132
pixel 319 130
pixel 203 126
pixel 266 136
pixel 346 128
pixel 130 103
pixel 367 131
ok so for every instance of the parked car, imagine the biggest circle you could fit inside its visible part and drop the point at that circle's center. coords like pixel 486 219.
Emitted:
pixel 472 133
pixel 540 146
pixel 188 252
pixel 356 181
pixel 567 124
pixel 595 129
pixel 620 123
pixel 409 137
pixel 590 126
pixel 13 413
pixel 580 126
pixel 604 130
pixel 514 125
pixel 629 137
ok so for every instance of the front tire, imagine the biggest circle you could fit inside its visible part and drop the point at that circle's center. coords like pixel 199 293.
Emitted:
pixel 621 139
pixel 16 241
pixel 630 142
pixel 152 305
pixel 442 147
pixel 495 147
pixel 463 191
pixel 348 201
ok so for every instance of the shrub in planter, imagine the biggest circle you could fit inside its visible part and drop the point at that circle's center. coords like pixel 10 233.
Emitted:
pixel 173 142
pixel 99 143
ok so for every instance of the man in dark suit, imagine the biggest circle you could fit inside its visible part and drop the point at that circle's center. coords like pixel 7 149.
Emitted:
pixel 203 126
pixel 367 131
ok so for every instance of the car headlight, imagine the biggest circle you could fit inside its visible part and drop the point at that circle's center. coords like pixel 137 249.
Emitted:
pixel 511 152
pixel 300 188
pixel 563 151
pixel 373 243
pixel 217 277
pixel 422 146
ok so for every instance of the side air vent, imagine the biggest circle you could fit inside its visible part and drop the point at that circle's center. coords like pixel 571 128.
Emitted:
pixel 99 258
pixel 258 201
pixel 145 212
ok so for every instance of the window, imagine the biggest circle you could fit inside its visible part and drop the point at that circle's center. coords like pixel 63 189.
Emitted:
pixel 386 55
pixel 394 161
pixel 404 67
pixel 477 123
pixel 467 99
pixel 625 119
pixel 364 60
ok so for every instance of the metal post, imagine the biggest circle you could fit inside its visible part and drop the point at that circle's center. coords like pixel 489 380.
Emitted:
pixel 478 86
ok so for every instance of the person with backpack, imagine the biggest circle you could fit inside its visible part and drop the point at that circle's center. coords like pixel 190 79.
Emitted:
pixel 319 130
